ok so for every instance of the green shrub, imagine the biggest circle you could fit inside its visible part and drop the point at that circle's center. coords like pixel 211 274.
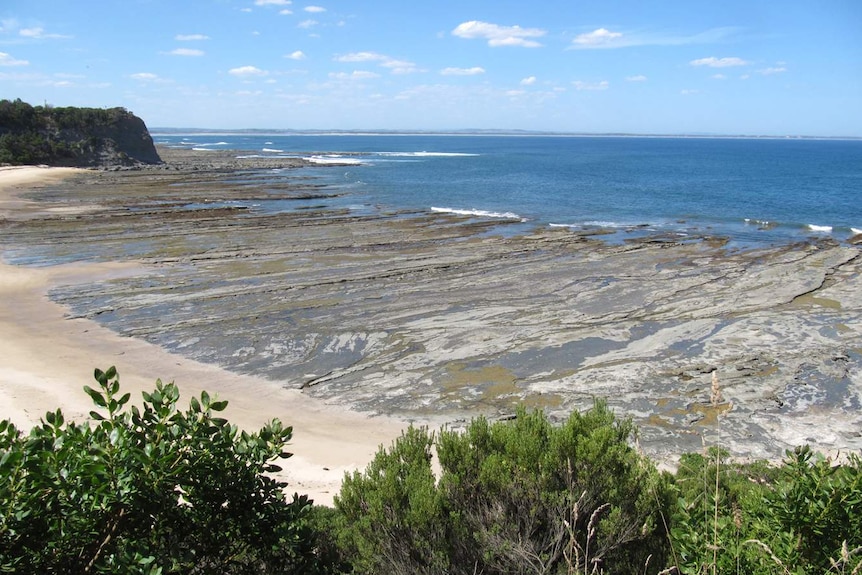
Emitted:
pixel 393 516
pixel 523 496
pixel 820 504
pixel 803 517
pixel 150 490
pixel 718 523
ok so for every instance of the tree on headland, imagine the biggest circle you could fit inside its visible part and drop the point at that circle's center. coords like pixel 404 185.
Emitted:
pixel 72 136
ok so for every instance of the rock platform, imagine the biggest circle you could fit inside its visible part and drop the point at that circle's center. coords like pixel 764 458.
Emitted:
pixel 435 318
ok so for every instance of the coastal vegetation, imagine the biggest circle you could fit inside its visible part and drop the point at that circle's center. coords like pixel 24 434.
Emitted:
pixel 156 489
pixel 72 136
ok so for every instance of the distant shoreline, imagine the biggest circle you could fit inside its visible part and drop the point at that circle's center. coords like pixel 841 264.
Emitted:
pixel 157 131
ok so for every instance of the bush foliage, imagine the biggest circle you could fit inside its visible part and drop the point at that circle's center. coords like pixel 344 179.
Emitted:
pixel 150 490
pixel 155 489
pixel 513 497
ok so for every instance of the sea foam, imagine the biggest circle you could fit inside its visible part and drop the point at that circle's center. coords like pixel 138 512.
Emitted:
pixel 333 159
pixel 479 213
pixel 823 229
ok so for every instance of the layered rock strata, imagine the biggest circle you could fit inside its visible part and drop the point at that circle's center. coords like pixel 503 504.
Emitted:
pixel 436 318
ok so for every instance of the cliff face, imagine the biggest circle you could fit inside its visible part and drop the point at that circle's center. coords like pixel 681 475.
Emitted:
pixel 124 141
pixel 80 137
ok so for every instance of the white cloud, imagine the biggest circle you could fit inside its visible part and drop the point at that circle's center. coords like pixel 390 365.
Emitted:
pixel 719 77
pixel 579 85
pixel 499 35
pixel 307 24
pixel 296 55
pixel 244 71
pixel 394 66
pixel 714 62
pixel 272 2
pixel 772 70
pixel 31 32
pixel 285 12
pixel 8 24
pixel 38 33
pixel 604 38
pixel 191 37
pixel 514 93
pixel 355 75
pixel 186 52
pixel 8 60
pixel 689 92
pixel 637 78
pixel 145 77
pixel 315 9
pixel 401 66
pixel 600 38
pixel 528 81
pixel 462 71
pixel 361 57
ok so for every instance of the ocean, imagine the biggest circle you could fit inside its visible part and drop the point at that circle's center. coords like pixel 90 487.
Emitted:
pixel 752 191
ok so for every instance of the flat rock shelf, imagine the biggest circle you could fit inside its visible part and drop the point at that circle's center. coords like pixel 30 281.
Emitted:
pixel 435 318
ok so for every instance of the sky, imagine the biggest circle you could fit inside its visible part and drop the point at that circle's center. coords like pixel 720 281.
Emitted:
pixel 752 67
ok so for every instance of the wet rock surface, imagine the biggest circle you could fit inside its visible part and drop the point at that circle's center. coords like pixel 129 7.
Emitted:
pixel 436 318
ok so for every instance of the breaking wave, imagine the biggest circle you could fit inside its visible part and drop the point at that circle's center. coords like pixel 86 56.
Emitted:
pixel 479 213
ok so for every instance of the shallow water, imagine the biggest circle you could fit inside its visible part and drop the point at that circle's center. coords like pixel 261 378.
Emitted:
pixel 756 191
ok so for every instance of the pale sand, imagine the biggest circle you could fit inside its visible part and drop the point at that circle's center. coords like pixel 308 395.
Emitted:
pixel 46 359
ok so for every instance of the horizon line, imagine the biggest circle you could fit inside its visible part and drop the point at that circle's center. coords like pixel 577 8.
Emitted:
pixel 170 130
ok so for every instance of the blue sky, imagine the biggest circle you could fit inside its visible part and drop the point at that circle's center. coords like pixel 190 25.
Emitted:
pixel 723 67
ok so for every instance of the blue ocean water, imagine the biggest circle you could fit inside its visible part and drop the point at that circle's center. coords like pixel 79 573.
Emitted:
pixel 755 191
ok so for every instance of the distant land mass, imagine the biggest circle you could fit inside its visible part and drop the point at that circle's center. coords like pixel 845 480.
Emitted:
pixel 477 132
pixel 73 136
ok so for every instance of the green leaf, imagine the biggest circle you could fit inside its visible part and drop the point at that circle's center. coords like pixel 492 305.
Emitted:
pixel 218 405
pixel 97 397
pixel 96 415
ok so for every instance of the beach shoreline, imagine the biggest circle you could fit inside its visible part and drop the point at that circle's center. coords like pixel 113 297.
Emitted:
pixel 46 358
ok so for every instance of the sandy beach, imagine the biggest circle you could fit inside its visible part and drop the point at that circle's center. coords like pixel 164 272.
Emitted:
pixel 46 358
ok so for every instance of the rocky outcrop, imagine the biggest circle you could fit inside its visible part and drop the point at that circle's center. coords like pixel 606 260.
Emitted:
pixel 123 141
pixel 76 137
